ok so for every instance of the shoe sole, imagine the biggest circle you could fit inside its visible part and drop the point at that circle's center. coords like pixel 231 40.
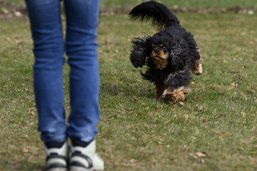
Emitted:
pixel 74 168
pixel 57 169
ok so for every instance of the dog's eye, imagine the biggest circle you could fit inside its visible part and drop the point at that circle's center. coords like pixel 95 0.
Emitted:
pixel 164 49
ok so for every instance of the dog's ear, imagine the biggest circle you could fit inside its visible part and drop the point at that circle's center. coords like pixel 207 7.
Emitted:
pixel 139 51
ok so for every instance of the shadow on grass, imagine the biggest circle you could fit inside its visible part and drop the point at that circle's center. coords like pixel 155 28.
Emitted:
pixel 24 164
pixel 128 90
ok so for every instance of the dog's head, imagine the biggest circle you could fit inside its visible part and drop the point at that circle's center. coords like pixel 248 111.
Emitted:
pixel 162 49
pixel 169 49
pixel 159 51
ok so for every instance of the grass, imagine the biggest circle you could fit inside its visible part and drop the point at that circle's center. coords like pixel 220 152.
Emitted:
pixel 214 130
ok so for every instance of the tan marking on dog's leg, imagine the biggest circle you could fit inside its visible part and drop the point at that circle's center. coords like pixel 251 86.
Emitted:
pixel 176 95
pixel 198 68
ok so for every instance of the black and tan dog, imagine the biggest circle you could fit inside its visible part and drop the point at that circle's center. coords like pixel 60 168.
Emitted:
pixel 170 55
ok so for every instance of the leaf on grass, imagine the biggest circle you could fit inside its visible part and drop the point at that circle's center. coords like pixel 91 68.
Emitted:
pixel 25 150
pixel 4 11
pixel 201 155
pixel 132 160
pixel 17 14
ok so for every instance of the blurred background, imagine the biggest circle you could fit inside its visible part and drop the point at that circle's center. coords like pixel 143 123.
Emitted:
pixel 17 8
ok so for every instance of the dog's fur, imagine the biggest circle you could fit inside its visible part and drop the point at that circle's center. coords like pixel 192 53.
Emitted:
pixel 170 54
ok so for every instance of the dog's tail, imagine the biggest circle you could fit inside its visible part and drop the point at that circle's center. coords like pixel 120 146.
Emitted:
pixel 160 15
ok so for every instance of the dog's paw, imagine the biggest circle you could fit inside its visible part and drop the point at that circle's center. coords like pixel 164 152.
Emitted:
pixel 198 68
pixel 176 95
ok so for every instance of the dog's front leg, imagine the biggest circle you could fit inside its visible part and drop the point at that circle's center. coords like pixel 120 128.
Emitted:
pixel 177 87
pixel 160 87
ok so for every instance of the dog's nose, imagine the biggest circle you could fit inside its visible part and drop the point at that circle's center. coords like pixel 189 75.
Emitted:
pixel 157 51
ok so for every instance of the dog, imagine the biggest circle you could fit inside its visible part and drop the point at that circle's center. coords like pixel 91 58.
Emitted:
pixel 171 55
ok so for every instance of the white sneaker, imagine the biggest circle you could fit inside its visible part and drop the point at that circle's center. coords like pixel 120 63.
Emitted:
pixel 85 158
pixel 56 158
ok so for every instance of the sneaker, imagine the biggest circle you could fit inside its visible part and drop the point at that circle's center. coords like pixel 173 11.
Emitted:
pixel 85 158
pixel 56 158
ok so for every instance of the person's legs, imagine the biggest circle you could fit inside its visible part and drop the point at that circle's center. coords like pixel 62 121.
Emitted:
pixel 48 41
pixel 47 35
pixel 81 48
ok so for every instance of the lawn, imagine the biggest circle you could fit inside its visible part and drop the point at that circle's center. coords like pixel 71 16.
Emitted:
pixel 215 129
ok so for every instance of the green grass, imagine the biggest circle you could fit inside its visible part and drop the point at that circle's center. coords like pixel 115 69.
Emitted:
pixel 137 132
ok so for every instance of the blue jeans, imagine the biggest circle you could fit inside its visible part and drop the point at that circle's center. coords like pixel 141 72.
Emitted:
pixel 80 45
